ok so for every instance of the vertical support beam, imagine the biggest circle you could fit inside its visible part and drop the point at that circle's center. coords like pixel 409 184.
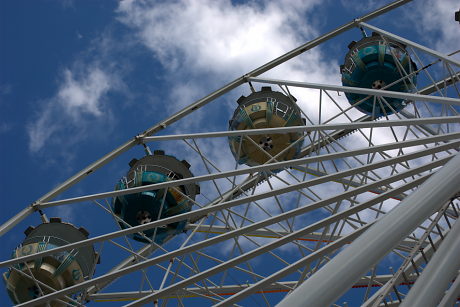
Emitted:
pixel 430 287
pixel 335 278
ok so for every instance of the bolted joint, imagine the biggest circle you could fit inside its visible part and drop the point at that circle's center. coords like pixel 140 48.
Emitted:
pixel 139 139
pixel 246 77
pixel 36 206
pixel 456 196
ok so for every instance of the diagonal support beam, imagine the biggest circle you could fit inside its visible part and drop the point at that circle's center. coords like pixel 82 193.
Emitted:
pixel 263 233
pixel 193 107
pixel 411 43
pixel 363 91
pixel 362 123
pixel 236 202
pixel 332 280
pixel 237 232
pixel 282 286
pixel 436 277
pixel 265 167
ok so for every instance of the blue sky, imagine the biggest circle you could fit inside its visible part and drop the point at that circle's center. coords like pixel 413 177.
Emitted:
pixel 79 78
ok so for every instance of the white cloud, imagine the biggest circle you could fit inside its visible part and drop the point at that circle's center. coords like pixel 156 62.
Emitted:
pixel 363 6
pixel 208 43
pixel 66 213
pixel 40 130
pixel 81 93
pixel 215 36
pixel 435 23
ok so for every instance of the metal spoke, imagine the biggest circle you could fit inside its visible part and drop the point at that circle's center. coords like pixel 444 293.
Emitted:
pixel 308 178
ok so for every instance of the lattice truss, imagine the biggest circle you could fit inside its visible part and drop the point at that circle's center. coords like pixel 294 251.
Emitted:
pixel 368 208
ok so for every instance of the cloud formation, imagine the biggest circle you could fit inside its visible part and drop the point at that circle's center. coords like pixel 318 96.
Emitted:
pixel 434 20
pixel 81 93
pixel 209 43
pixel 216 36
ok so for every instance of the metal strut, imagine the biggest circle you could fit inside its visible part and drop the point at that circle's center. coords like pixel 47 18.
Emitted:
pixel 191 108
pixel 332 280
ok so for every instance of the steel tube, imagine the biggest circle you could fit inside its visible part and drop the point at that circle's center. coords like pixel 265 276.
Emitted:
pixel 229 289
pixel 235 202
pixel 334 279
pixel 16 219
pixel 358 90
pixel 228 235
pixel 452 294
pixel 284 240
pixel 430 287
pixel 418 260
pixel 301 263
pixel 264 233
pixel 203 101
pixel 411 43
pixel 254 169
pixel 128 261
pixel 311 257
pixel 324 127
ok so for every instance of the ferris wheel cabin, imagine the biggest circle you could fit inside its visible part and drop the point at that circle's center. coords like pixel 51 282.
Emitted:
pixel 378 63
pixel 144 207
pixel 53 272
pixel 266 109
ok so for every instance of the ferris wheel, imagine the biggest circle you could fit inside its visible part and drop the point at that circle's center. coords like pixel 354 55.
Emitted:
pixel 311 195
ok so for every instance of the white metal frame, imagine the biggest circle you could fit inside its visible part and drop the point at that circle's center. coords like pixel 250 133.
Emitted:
pixel 424 173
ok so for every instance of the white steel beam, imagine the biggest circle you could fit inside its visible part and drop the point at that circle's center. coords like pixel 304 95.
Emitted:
pixel 282 286
pixel 235 233
pixel 284 240
pixel 452 294
pixel 244 257
pixel 332 280
pixel 264 233
pixel 261 233
pixel 144 251
pixel 418 261
pixel 301 262
pixel 196 105
pixel 310 128
pixel 286 215
pixel 411 43
pixel 344 181
pixel 358 90
pixel 430 287
pixel 261 168
pixel 16 219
